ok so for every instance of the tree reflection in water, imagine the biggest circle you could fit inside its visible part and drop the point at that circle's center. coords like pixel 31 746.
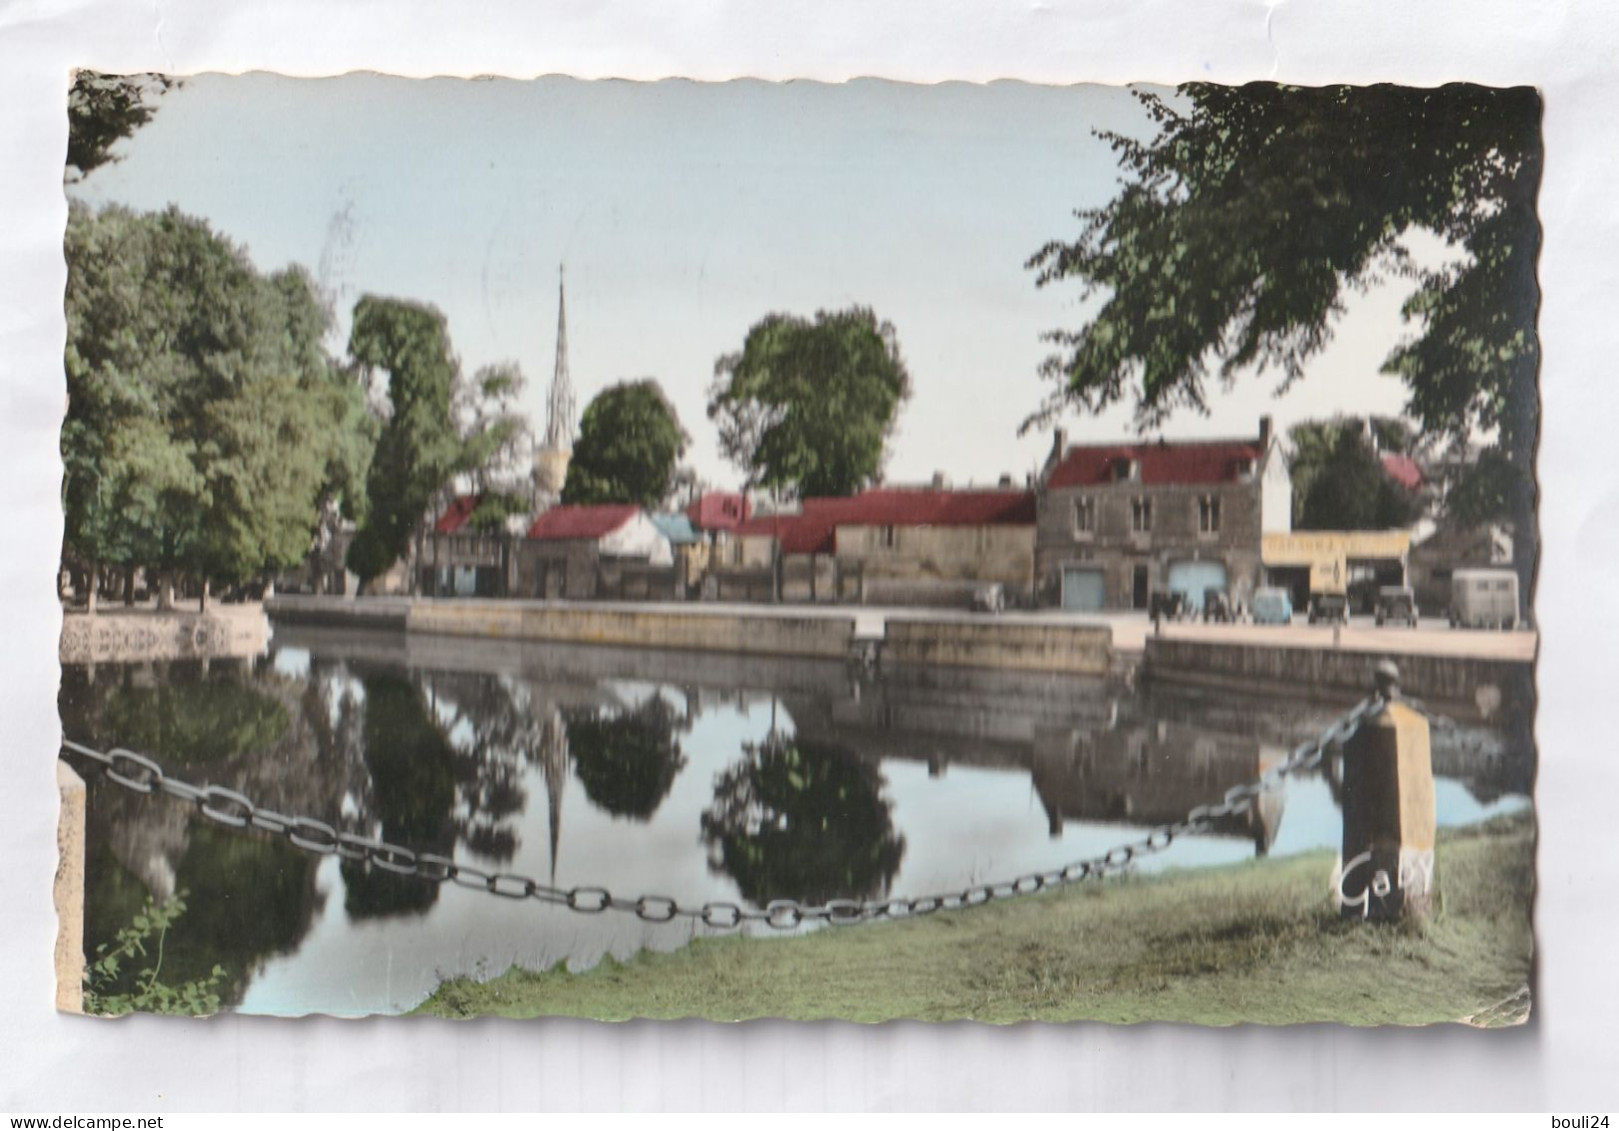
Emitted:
pixel 802 820
pixel 253 899
pixel 411 798
pixel 492 726
pixel 626 762
pixel 181 715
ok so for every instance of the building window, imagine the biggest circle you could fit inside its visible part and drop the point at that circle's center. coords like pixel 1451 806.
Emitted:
pixel 1141 516
pixel 886 536
pixel 1208 515
pixel 1084 516
pixel 1123 470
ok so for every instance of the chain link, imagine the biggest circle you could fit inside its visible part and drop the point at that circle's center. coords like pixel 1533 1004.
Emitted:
pixel 140 774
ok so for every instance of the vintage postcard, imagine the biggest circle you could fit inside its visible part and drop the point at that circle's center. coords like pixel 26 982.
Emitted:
pixel 859 551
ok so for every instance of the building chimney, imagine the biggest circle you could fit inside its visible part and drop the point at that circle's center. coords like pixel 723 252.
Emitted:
pixel 1059 445
pixel 1264 435
pixel 1005 481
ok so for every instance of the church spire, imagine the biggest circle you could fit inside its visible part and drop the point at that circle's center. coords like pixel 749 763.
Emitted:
pixel 559 423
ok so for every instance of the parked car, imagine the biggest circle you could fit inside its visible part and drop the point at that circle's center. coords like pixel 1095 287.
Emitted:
pixel 1484 598
pixel 1167 606
pixel 1396 603
pixel 1216 606
pixel 1272 606
pixel 1329 608
pixel 989 598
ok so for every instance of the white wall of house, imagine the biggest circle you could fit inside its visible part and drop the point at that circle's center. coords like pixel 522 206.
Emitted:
pixel 639 537
pixel 1276 492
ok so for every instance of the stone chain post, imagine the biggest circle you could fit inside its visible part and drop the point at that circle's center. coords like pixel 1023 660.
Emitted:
pixel 1386 871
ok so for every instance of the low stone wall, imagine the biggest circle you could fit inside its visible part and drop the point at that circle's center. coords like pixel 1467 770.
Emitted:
pixel 1480 688
pixel 1014 644
pixel 775 634
pixel 117 635
pixel 1079 649
pixel 387 613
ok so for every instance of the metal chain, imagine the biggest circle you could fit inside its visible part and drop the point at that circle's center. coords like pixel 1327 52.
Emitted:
pixel 140 774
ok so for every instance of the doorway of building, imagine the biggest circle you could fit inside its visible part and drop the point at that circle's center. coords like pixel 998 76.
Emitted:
pixel 1138 588
pixel 1082 589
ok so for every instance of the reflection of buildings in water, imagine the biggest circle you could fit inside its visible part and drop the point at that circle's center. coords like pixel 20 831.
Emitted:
pixel 941 719
pixel 1490 761
pixel 1152 775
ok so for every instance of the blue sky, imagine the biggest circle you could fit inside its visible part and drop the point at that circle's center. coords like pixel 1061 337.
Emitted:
pixel 687 211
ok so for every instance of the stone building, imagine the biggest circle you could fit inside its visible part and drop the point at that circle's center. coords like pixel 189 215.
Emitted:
pixel 932 546
pixel 606 552
pixel 459 560
pixel 888 547
pixel 1119 522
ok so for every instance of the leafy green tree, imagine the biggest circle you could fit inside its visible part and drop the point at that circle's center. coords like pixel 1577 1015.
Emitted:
pixel 496 450
pixel 438 428
pixel 104 109
pixel 204 420
pixel 418 449
pixel 494 509
pixel 629 441
pixel 1339 482
pixel 808 407
pixel 1245 220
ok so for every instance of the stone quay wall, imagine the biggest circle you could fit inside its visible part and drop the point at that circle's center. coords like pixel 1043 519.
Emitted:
pixel 1011 643
pixel 773 634
pixel 1077 649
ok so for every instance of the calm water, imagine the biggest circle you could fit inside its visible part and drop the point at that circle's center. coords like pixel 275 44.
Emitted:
pixel 694 776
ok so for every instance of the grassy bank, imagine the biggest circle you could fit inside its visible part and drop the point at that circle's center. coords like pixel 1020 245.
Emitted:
pixel 1256 942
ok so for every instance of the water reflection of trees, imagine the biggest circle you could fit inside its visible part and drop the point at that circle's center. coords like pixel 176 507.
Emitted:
pixel 177 711
pixel 493 728
pixel 627 762
pixel 249 899
pixel 411 797
pixel 802 820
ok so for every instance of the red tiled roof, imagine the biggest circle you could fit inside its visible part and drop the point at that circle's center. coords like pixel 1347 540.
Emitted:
pixel 814 529
pixel 882 507
pixel 1187 463
pixel 565 524
pixel 719 510
pixel 798 533
pixel 1403 470
pixel 455 515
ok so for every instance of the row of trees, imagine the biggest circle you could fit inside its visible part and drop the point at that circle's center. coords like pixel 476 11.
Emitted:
pixel 209 434
pixel 206 428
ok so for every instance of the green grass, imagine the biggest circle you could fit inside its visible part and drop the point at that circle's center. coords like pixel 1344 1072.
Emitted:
pixel 1257 942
